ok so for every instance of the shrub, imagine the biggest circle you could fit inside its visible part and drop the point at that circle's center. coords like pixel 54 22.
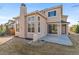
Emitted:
pixel 75 28
pixel 2 32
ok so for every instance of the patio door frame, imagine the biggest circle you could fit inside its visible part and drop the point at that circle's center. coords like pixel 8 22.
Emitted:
pixel 51 24
pixel 64 29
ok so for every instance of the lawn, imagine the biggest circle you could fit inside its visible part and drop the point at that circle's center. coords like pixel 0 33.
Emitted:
pixel 21 47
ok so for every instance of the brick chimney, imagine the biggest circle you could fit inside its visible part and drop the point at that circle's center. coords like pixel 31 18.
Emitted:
pixel 22 21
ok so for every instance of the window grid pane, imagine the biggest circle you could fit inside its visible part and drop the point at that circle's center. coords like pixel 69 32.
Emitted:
pixel 31 27
pixel 38 24
pixel 52 13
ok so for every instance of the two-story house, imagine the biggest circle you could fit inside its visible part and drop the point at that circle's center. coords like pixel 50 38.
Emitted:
pixel 50 21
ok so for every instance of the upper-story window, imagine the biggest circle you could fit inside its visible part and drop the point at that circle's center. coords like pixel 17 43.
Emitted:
pixel 31 27
pixel 51 13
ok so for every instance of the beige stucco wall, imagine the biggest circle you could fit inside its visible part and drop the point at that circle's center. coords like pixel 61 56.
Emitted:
pixel 43 27
pixel 23 22
pixel 16 33
pixel 56 18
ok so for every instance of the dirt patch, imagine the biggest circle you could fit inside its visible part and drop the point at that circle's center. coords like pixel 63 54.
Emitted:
pixel 20 46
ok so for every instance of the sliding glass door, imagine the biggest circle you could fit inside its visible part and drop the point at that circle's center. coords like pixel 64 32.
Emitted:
pixel 52 28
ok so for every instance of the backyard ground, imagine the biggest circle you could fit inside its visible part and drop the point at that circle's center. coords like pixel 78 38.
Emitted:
pixel 21 46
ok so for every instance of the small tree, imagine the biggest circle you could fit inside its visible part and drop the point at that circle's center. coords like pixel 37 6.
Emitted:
pixel 7 29
pixel 77 29
pixel 2 30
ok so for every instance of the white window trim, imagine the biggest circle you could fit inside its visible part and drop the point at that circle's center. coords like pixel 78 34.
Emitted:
pixel 51 11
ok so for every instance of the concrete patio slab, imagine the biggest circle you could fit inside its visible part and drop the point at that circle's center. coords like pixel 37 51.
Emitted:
pixel 63 39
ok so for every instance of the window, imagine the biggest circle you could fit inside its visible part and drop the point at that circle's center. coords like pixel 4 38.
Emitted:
pixel 31 27
pixel 52 13
pixel 17 26
pixel 38 19
pixel 38 24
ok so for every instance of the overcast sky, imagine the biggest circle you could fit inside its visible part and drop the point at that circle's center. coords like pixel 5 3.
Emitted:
pixel 8 10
